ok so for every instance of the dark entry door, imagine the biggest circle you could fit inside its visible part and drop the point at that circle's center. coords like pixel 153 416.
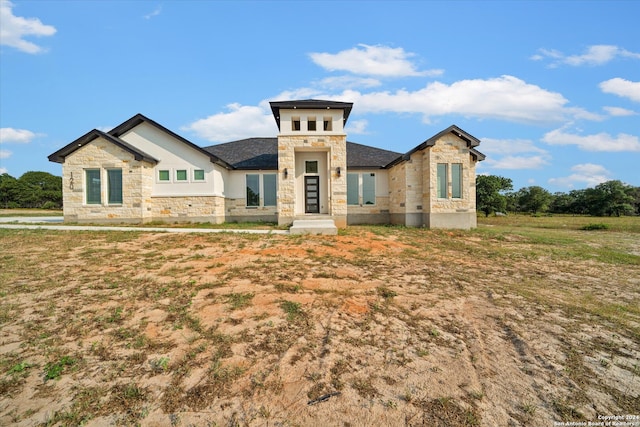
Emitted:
pixel 312 194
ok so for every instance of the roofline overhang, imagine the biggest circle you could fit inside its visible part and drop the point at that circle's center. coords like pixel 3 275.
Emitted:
pixel 60 155
pixel 471 141
pixel 310 104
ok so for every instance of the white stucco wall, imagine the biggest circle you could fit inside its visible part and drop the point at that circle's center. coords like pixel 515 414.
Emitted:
pixel 287 115
pixel 175 155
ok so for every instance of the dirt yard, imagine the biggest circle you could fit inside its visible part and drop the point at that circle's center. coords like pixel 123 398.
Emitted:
pixel 377 326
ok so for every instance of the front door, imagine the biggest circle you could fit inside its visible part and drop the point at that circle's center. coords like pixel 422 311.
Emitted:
pixel 311 194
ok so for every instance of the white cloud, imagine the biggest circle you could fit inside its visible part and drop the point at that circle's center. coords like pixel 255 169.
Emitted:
pixel 619 112
pixel 13 29
pixel 504 98
pixel 622 87
pixel 586 173
pixel 348 82
pixel 517 162
pixel 155 12
pixel 357 127
pixel 594 55
pixel 18 136
pixel 238 123
pixel 5 154
pixel 510 146
pixel 504 154
pixel 597 142
pixel 3 170
pixel 373 61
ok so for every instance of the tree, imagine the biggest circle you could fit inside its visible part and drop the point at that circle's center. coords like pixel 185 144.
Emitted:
pixel 611 198
pixel 31 190
pixel 489 197
pixel 534 199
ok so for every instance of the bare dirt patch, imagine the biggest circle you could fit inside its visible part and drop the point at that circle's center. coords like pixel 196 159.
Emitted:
pixel 377 326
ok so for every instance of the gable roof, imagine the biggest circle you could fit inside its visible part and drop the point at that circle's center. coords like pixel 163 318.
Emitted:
pixel 310 104
pixel 139 118
pixel 471 141
pixel 114 134
pixel 60 155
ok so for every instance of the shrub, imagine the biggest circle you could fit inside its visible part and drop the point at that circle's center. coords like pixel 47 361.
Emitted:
pixel 595 226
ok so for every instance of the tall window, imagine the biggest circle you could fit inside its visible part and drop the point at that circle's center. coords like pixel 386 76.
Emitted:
pixel 295 123
pixel 270 189
pixel 326 124
pixel 93 186
pixel 368 188
pixel 365 193
pixel 253 190
pixel 114 186
pixel 353 184
pixel 456 180
pixel 442 180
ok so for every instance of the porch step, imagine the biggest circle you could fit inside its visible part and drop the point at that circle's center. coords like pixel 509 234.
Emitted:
pixel 314 226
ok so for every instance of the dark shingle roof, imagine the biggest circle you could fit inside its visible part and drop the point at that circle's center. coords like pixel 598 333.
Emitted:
pixel 250 153
pixel 262 153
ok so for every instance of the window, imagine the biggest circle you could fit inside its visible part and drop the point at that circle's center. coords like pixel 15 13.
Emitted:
pixel 114 186
pixel 311 123
pixel 326 123
pixel 198 175
pixel 456 180
pixel 442 180
pixel 181 175
pixel 352 189
pixel 93 186
pixel 163 175
pixel 311 166
pixel 253 190
pixel 270 189
pixel 356 192
pixel 295 123
pixel 368 188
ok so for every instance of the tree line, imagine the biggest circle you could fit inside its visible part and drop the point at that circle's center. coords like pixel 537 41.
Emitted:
pixel 610 198
pixel 32 190
pixel 493 194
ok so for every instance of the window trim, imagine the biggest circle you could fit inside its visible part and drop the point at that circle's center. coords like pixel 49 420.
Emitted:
pixel 109 187
pixel 186 175
pixel 442 186
pixel 457 189
pixel 262 191
pixel 204 175
pixel 87 201
pixel 361 188
pixel 159 179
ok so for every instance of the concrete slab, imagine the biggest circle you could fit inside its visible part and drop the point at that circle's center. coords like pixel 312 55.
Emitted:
pixel 314 226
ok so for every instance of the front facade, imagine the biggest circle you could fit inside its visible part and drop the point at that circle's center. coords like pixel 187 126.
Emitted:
pixel 141 172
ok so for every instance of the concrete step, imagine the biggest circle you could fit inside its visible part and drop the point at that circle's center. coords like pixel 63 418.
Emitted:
pixel 314 226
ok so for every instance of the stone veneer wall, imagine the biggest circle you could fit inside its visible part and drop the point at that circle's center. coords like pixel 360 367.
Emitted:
pixel 137 179
pixel 413 197
pixel 337 147
pixel 449 212
pixel 188 209
pixel 369 214
pixel 236 210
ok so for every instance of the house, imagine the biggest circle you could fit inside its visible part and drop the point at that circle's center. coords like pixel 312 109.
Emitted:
pixel 141 171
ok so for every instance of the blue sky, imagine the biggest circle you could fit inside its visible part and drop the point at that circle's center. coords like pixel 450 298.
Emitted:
pixel 551 88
